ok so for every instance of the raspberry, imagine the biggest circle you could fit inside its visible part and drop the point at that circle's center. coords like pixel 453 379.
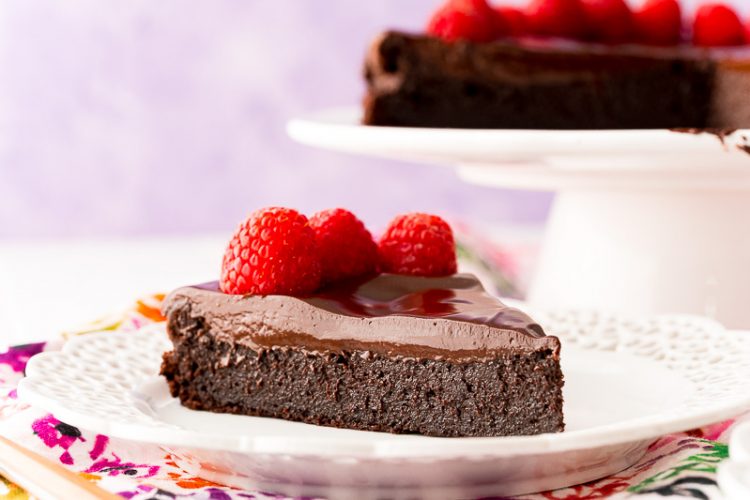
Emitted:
pixel 608 21
pixel 558 18
pixel 717 25
pixel 273 252
pixel 346 247
pixel 470 20
pixel 658 22
pixel 418 244
pixel 511 21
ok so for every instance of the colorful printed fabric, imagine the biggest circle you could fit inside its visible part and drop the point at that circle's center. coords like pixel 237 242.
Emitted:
pixel 677 465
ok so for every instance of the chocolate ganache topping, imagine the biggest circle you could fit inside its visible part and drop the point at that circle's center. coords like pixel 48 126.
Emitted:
pixel 446 317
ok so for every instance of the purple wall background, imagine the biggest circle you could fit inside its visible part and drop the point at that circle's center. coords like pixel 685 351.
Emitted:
pixel 143 117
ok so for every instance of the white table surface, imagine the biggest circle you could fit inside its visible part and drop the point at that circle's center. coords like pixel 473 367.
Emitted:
pixel 47 287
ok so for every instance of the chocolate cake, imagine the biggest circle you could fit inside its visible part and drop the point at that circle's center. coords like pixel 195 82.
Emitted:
pixel 423 81
pixel 402 354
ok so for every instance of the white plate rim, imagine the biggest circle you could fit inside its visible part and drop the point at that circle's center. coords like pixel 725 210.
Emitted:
pixel 417 447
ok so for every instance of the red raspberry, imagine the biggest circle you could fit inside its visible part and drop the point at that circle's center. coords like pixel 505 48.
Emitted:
pixel 717 25
pixel 470 20
pixel 608 21
pixel 511 21
pixel 558 18
pixel 418 244
pixel 272 252
pixel 658 22
pixel 346 247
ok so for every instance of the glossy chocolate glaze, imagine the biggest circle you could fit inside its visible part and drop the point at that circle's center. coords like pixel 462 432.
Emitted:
pixel 449 317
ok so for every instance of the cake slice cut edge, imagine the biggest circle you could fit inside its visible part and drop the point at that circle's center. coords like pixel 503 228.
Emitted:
pixel 431 356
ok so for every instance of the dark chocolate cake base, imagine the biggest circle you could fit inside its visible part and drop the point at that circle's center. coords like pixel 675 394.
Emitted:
pixel 514 395
pixel 420 81
pixel 401 354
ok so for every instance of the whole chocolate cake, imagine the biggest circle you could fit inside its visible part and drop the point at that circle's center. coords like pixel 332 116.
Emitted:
pixel 404 354
pixel 424 81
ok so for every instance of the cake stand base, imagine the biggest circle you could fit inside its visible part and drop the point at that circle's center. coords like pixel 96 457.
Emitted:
pixel 647 252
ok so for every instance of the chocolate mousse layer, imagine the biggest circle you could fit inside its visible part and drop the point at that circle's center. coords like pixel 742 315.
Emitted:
pixel 420 81
pixel 434 356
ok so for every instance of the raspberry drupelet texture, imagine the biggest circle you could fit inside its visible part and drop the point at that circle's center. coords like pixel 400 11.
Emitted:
pixel 608 21
pixel 717 25
pixel 418 244
pixel 658 22
pixel 273 252
pixel 347 249
pixel 510 21
pixel 556 18
pixel 469 20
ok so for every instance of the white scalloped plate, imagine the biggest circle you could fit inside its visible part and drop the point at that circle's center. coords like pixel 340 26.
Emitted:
pixel 627 383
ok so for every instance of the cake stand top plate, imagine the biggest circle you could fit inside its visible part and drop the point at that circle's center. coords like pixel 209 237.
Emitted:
pixel 544 159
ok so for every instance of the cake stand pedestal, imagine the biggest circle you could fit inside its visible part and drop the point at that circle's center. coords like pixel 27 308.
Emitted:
pixel 645 221
pixel 641 242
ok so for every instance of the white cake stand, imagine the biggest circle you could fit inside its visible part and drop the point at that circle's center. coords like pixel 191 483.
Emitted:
pixel 644 221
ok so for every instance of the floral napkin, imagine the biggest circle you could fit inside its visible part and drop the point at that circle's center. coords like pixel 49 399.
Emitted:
pixel 676 465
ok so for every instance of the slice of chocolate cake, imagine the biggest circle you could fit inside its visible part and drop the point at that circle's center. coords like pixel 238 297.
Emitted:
pixel 402 354
pixel 423 81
